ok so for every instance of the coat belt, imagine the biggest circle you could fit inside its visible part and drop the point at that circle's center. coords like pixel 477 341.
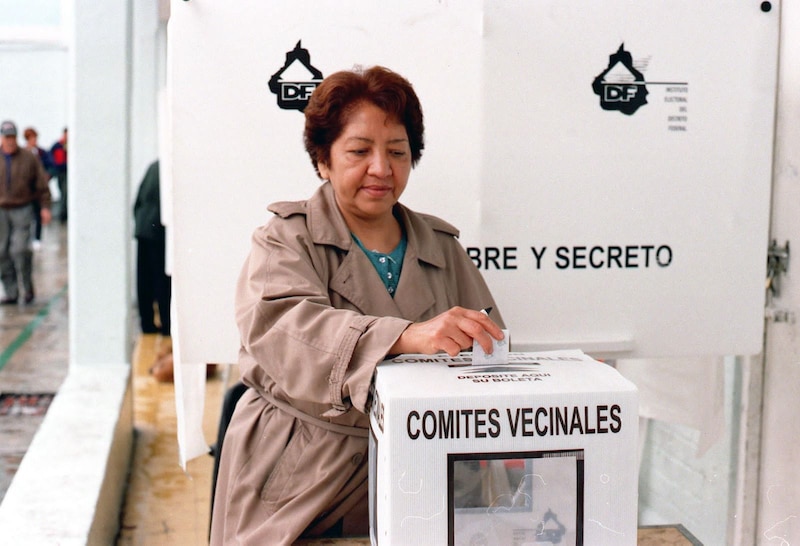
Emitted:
pixel 327 425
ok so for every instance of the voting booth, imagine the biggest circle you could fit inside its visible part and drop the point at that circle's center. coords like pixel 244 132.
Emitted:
pixel 540 449
pixel 609 167
pixel 606 158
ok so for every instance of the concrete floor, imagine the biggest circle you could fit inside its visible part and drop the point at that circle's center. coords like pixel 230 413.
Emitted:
pixel 164 505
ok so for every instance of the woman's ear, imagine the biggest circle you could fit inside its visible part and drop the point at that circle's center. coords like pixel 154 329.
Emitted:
pixel 324 171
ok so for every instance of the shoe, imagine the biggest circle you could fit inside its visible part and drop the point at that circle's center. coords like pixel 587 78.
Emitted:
pixel 8 301
pixel 28 297
pixel 36 245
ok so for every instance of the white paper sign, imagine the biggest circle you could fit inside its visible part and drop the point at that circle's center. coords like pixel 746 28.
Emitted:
pixel 608 163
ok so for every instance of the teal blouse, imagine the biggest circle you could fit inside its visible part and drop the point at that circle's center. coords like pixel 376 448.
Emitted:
pixel 389 265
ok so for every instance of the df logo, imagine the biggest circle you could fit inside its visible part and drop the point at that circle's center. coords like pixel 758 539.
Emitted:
pixel 620 86
pixel 296 80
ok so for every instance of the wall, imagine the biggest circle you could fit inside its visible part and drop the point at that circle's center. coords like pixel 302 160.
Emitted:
pixel 99 178
pixel 35 68
pixel 760 393
pixel 779 493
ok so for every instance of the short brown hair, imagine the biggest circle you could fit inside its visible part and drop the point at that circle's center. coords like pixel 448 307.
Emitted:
pixel 29 132
pixel 334 98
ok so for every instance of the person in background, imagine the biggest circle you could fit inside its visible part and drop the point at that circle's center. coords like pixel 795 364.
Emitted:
pixel 153 285
pixel 58 156
pixel 22 181
pixel 332 285
pixel 31 137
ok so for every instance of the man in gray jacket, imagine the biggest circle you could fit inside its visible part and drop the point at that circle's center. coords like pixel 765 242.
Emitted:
pixel 22 181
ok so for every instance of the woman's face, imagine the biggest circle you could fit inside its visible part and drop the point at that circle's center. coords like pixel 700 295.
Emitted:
pixel 369 164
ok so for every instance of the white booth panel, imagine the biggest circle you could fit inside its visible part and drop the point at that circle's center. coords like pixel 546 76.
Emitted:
pixel 608 163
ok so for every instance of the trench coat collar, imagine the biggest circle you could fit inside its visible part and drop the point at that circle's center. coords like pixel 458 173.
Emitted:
pixel 355 280
pixel 327 226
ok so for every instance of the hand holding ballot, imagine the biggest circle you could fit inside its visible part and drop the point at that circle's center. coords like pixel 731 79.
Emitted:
pixel 452 331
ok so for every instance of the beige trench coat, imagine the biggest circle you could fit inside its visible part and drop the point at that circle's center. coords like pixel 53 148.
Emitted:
pixel 315 320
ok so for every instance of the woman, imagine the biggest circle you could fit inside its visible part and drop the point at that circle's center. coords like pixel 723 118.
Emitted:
pixel 332 286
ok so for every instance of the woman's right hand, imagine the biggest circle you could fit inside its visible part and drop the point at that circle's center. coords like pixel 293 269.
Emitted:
pixel 451 332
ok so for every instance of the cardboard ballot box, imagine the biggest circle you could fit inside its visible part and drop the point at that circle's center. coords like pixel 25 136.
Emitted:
pixel 541 450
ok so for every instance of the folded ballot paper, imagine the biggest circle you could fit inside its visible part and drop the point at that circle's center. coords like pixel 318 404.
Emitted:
pixel 499 353
pixel 538 449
